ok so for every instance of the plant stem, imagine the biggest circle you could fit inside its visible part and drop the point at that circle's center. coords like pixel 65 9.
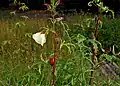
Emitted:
pixel 94 50
pixel 92 72
pixel 97 26
pixel 53 71
pixel 55 55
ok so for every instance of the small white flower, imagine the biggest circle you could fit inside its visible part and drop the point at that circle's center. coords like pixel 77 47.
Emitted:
pixel 39 38
pixel 106 11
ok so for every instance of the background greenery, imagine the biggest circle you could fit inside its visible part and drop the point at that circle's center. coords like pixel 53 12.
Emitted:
pixel 25 63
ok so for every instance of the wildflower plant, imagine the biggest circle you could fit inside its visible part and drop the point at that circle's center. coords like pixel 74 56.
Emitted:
pixel 94 34
pixel 57 34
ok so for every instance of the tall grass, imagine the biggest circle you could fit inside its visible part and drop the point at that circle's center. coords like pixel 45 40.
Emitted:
pixel 25 63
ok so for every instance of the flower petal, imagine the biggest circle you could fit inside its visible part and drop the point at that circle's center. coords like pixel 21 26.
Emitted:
pixel 39 38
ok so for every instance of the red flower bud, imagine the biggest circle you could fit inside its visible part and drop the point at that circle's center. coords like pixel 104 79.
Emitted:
pixel 52 61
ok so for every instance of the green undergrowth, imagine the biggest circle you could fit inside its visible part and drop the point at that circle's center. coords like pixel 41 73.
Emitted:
pixel 25 63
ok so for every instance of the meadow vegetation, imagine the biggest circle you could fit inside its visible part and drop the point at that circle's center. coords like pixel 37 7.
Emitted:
pixel 23 62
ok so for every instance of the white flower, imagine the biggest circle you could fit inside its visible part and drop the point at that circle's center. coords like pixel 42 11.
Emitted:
pixel 39 38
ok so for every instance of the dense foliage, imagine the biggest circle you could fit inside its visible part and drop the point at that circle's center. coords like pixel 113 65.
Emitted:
pixel 75 50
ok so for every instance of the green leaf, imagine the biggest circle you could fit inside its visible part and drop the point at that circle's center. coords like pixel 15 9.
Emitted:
pixel 29 35
pixel 106 56
pixel 90 3
pixel 67 45
pixel 80 38
pixel 68 76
